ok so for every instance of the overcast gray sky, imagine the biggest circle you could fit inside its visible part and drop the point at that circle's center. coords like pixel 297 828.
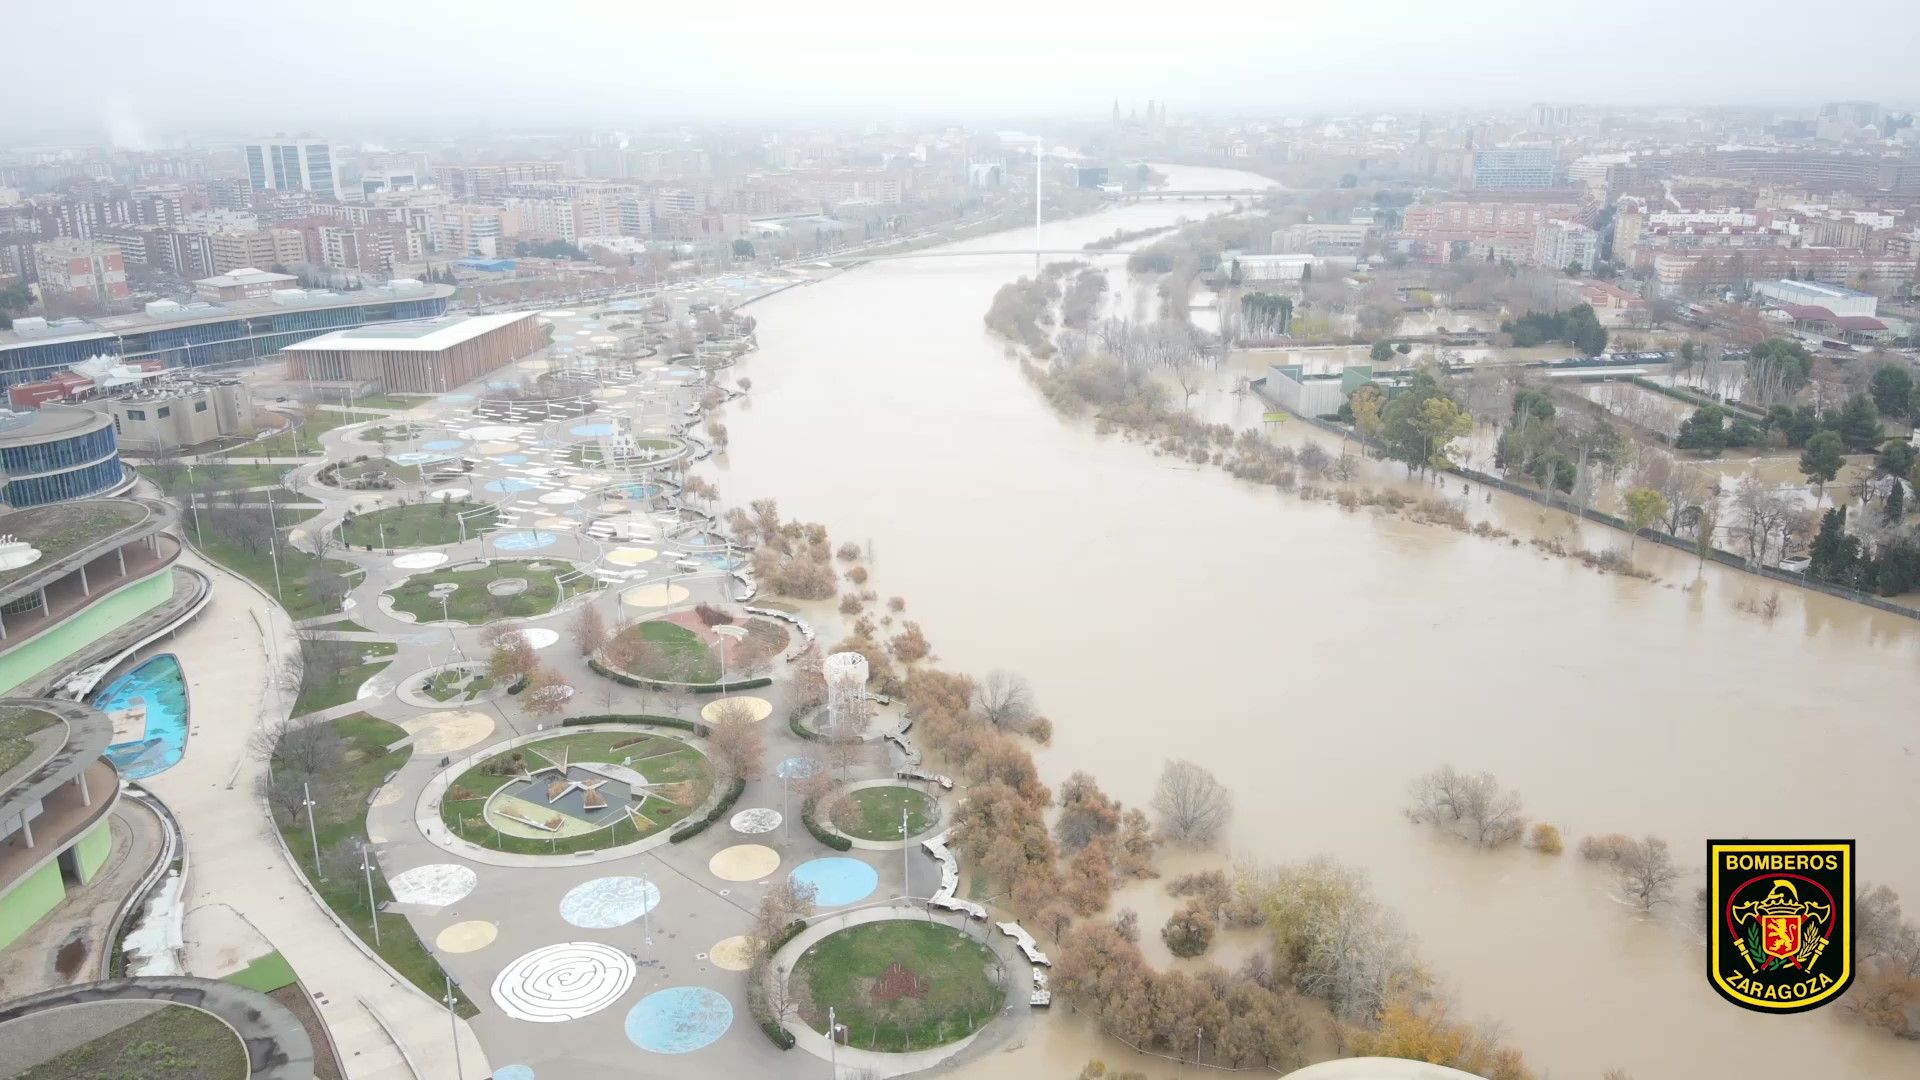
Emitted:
pixel 171 66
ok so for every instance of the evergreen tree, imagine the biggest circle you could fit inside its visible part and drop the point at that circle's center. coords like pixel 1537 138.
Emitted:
pixel 1896 503
pixel 1834 552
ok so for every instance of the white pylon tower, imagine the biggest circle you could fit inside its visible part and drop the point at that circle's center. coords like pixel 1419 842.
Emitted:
pixel 1039 147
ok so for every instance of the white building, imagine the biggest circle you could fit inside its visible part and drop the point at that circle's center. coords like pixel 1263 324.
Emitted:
pixel 1290 267
pixel 293 165
pixel 1559 244
pixel 1838 301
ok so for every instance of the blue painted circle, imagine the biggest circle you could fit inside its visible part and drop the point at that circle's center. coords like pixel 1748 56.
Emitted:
pixel 511 486
pixel 443 444
pixel 513 1072
pixel 836 881
pixel 641 491
pixel 591 430
pixel 512 459
pixel 523 541
pixel 679 1020
pixel 797 768
pixel 417 457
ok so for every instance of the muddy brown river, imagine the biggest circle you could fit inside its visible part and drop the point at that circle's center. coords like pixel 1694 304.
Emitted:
pixel 1317 660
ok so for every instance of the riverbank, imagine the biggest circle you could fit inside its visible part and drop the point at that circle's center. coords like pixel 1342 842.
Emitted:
pixel 1378 649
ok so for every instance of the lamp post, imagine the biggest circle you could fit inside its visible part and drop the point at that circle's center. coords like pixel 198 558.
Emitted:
pixel 734 632
pixel 833 1042
pixel 306 800
pixel 906 880
pixel 273 545
pixel 194 505
pixel 373 911
pixel 453 1026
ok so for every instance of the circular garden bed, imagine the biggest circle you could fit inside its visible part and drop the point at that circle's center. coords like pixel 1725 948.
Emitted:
pixel 424 524
pixel 581 792
pixel 502 589
pixel 899 985
pixel 873 813
pixel 150 1040
pixel 644 452
pixel 684 647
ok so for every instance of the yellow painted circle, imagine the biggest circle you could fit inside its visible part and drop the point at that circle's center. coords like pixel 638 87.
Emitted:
pixel 744 862
pixel 472 936
pixel 497 447
pixel 444 733
pixel 631 556
pixel 653 596
pixel 732 954
pixel 761 707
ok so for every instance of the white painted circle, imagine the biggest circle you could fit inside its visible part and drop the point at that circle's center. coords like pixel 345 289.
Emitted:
pixel 563 982
pixel 448 493
pixel 435 884
pixel 419 560
pixel 562 498
pixel 540 637
pixel 760 819
pixel 608 902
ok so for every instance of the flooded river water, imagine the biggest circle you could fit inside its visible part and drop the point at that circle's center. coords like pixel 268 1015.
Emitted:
pixel 1317 660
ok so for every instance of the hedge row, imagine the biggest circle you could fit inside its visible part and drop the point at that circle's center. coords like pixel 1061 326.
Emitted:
pixel 780 939
pixel 625 679
pixel 721 688
pixel 780 1036
pixel 637 718
pixel 805 732
pixel 832 840
pixel 695 826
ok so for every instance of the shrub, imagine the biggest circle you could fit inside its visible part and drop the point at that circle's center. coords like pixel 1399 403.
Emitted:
pixel 779 940
pixel 802 730
pixel 1189 932
pixel 1545 839
pixel 780 1036
pixel 1606 847
pixel 695 826
pixel 832 840
pixel 721 688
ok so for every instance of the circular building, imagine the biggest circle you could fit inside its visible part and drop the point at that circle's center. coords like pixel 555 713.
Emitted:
pixel 58 453
pixel 56 792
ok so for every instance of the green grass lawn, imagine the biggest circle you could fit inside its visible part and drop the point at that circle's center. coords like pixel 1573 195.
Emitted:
pixel 172 478
pixel 16 724
pixel 302 441
pixel 955 972
pixel 390 433
pixel 391 401
pixel 659 759
pixel 267 974
pixel 340 819
pixel 588 454
pixel 874 813
pixel 295 592
pixel 471 603
pixel 175 1043
pixel 325 684
pixel 418 524
pixel 449 685
pixel 675 654
pixel 355 470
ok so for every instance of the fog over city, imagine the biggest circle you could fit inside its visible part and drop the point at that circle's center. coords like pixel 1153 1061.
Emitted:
pixel 976 540
pixel 495 63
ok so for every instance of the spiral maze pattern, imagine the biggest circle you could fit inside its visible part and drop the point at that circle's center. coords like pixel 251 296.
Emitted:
pixel 557 983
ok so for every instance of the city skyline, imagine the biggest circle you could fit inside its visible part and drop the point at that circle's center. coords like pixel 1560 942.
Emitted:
pixel 491 66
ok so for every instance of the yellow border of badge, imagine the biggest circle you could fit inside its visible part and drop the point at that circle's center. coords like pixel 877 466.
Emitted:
pixel 1714 927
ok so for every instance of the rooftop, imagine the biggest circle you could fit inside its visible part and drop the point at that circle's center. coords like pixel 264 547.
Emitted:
pixel 68 529
pixel 48 422
pixel 246 275
pixel 426 335
pixel 196 313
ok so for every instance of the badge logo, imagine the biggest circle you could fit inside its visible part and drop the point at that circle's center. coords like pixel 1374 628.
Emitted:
pixel 1780 922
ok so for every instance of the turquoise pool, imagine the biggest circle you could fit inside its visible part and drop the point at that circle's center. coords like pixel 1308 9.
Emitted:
pixel 159 685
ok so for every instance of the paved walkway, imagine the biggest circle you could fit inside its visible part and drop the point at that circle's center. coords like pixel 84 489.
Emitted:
pixel 237 858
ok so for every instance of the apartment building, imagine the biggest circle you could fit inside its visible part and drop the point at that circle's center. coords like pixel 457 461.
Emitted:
pixel 85 270
pixel 233 250
pixel 293 165
pixel 471 181
pixel 185 252
pixel 1480 227
pixel 1514 168
pixel 1560 243
pixel 1692 271
pixel 1323 237
pixel 472 229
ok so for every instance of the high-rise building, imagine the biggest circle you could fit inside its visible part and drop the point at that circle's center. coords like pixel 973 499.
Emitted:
pixel 293 165
pixel 233 250
pixel 1560 243
pixel 1514 168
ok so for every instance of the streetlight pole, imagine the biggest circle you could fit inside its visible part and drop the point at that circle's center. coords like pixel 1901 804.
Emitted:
pixel 306 800
pixel 833 1042
pixel 453 1025
pixel 373 912
pixel 906 880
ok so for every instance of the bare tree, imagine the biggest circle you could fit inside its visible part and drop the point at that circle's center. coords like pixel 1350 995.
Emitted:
pixel 1761 514
pixel 1004 700
pixel 735 739
pixel 1647 872
pixel 1192 805
pixel 1472 804
pixel 785 902
pixel 589 630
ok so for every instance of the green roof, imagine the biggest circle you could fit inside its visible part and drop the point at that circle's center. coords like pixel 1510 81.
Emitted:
pixel 61 529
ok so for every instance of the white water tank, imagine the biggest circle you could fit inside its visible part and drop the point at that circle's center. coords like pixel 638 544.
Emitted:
pixel 846 674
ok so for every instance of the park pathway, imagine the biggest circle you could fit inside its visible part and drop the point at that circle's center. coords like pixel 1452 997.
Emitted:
pixel 231 656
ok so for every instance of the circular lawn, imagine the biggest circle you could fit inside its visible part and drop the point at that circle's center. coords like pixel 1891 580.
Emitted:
pixel 900 985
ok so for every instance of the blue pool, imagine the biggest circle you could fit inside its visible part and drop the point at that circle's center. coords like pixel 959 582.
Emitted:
pixel 158 685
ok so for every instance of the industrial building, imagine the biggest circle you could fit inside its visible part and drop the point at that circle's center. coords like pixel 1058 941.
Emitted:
pixel 203 334
pixel 169 416
pixel 424 357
